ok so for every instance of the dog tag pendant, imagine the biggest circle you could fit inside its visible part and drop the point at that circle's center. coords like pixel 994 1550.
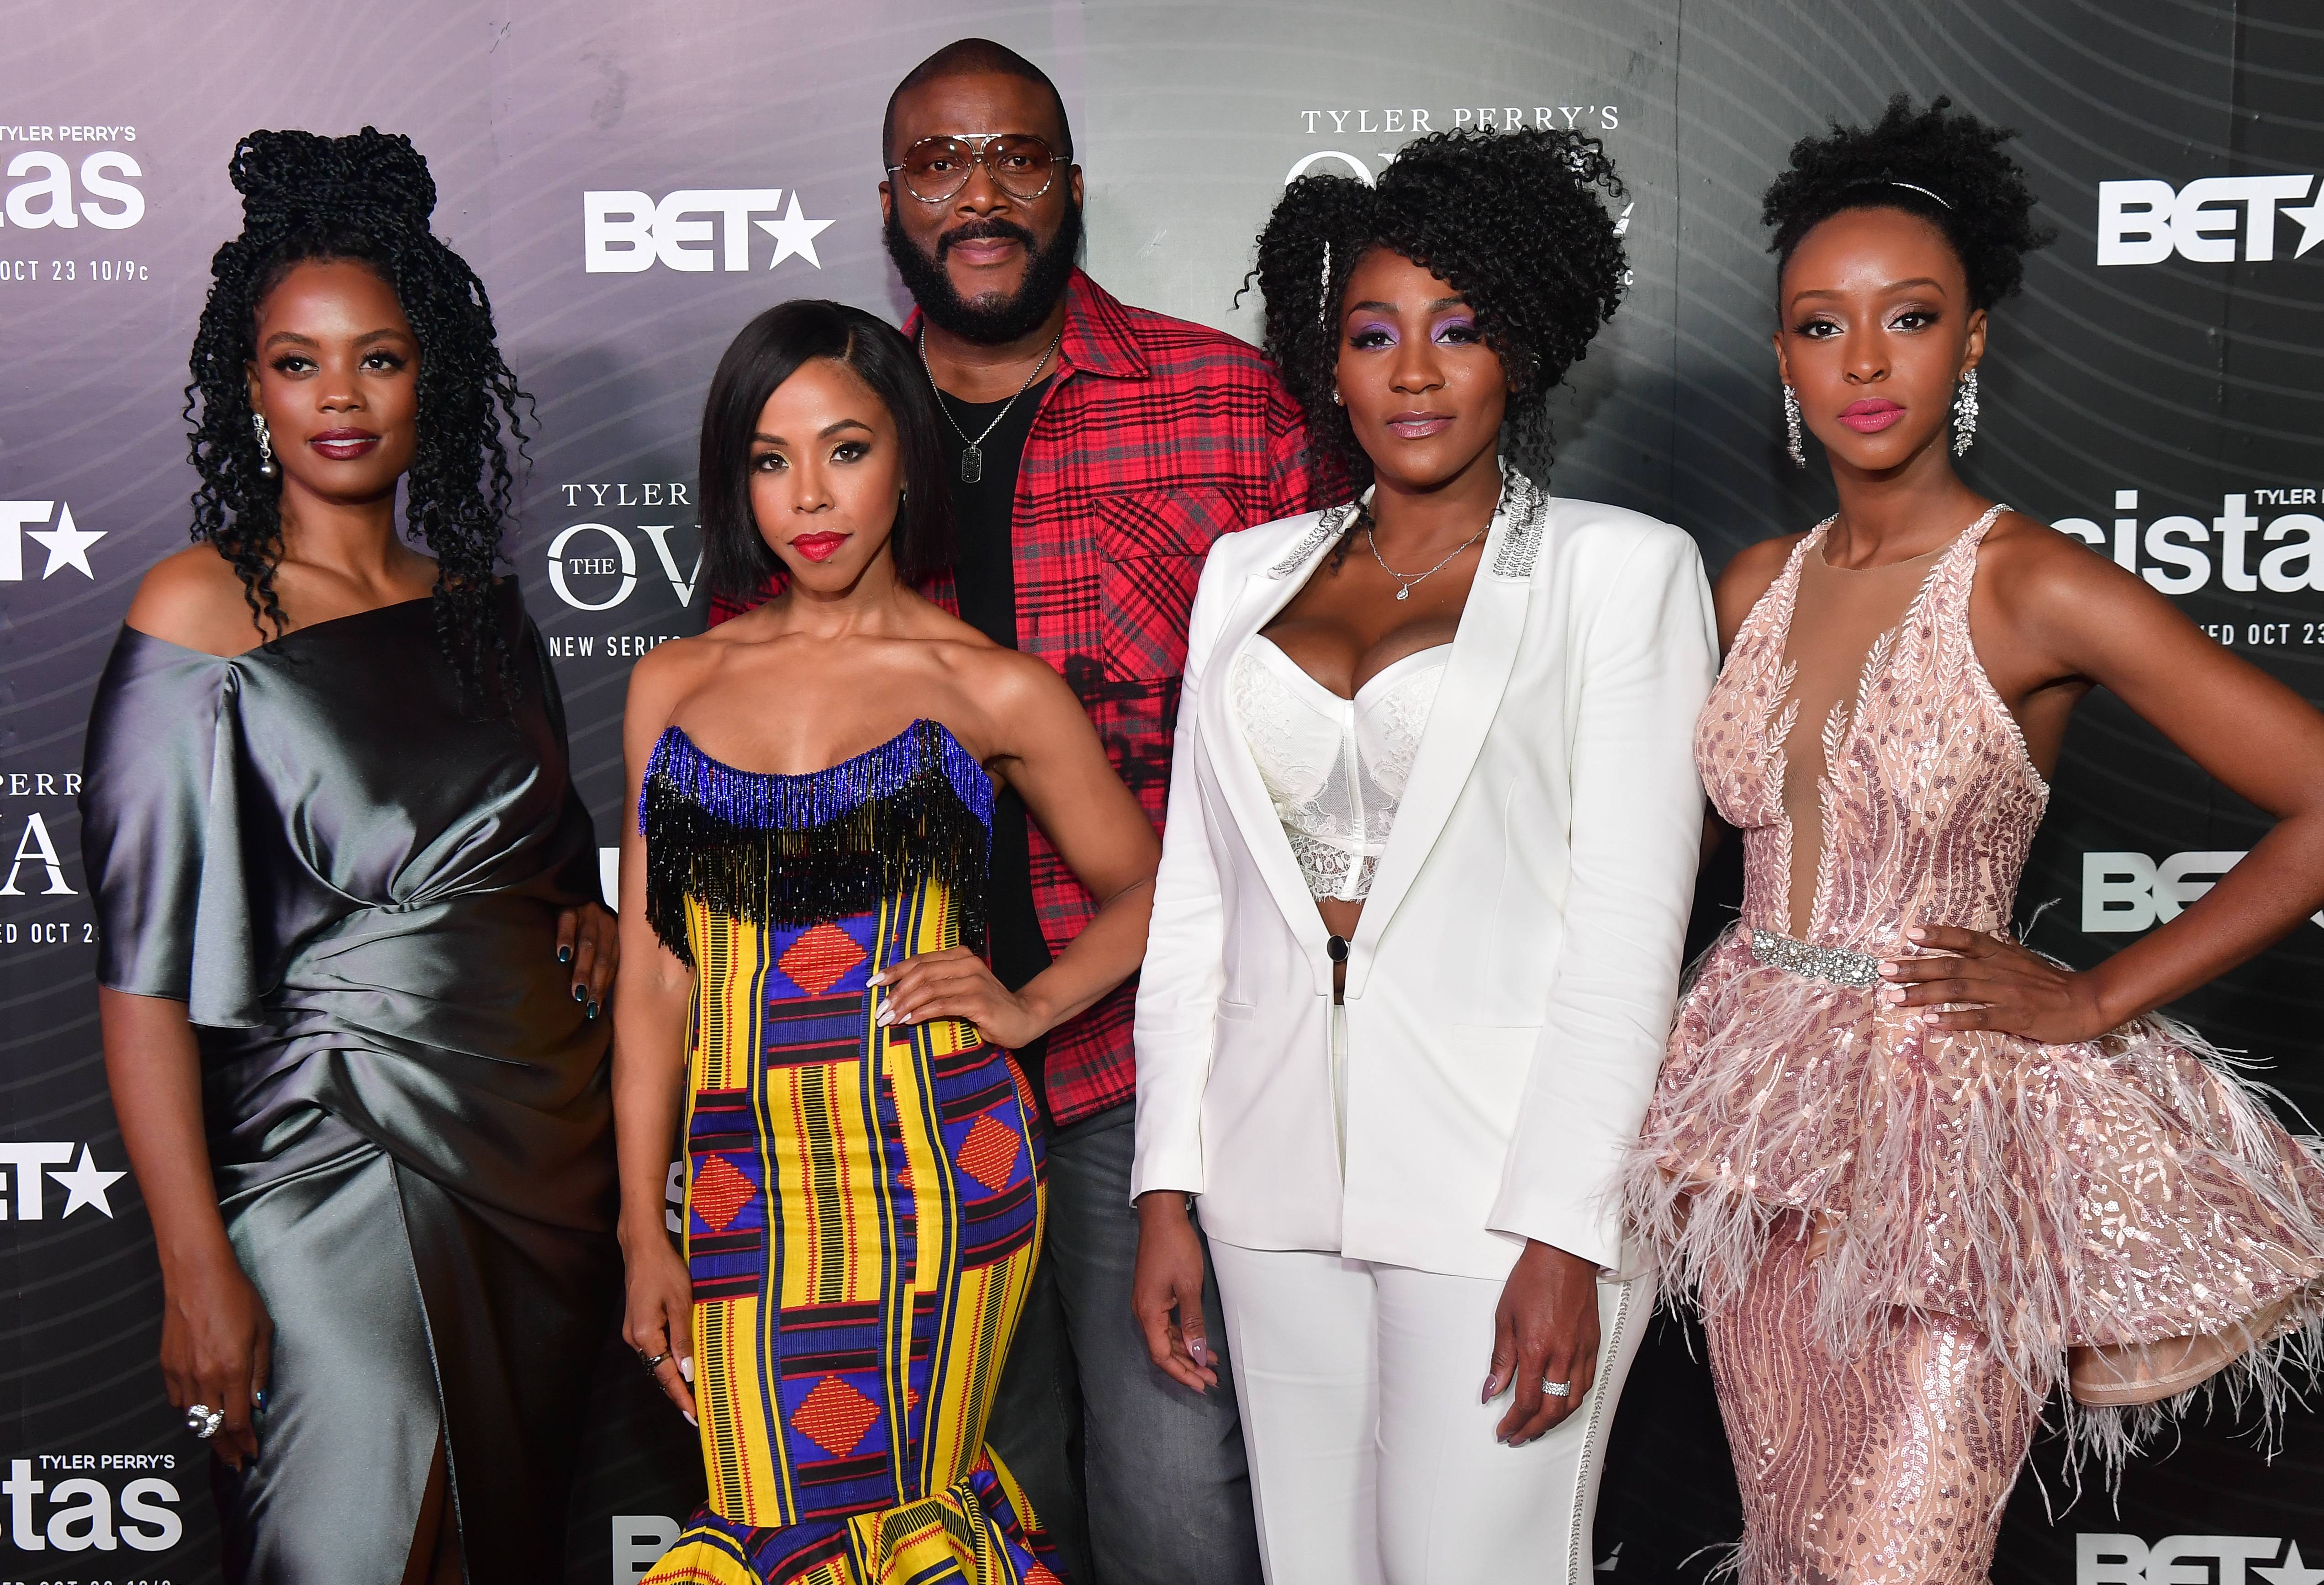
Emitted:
pixel 971 464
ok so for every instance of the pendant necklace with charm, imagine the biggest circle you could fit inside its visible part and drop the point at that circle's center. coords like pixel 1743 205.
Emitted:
pixel 1404 583
pixel 971 462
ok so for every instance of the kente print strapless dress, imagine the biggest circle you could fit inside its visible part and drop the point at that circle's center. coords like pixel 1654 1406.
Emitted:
pixel 864 1204
pixel 1897 1237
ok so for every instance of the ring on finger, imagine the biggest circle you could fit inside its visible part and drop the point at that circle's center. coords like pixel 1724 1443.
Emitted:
pixel 653 1361
pixel 204 1421
pixel 1557 1389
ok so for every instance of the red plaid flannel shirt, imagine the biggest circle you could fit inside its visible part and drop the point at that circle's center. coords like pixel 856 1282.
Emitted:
pixel 1156 437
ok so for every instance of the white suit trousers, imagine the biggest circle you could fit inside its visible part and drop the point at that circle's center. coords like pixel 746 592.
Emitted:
pixel 1372 1460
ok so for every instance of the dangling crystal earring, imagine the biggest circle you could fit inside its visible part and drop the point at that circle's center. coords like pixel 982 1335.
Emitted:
pixel 1324 289
pixel 265 445
pixel 1791 427
pixel 1338 400
pixel 1965 413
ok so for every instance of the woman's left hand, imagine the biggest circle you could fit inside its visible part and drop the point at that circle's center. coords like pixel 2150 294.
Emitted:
pixel 1545 1331
pixel 956 983
pixel 1993 983
pixel 588 943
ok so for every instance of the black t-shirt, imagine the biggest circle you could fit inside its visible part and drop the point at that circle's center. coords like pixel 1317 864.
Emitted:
pixel 984 577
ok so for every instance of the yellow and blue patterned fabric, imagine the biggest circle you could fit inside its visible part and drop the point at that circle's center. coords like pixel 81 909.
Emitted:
pixel 864 1204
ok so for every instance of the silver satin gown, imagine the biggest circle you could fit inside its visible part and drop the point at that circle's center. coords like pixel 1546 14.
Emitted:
pixel 353 884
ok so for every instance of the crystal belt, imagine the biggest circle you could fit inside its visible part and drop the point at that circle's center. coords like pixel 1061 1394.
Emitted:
pixel 1836 964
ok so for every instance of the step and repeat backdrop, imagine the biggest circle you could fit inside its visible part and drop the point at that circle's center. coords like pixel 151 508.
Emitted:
pixel 633 181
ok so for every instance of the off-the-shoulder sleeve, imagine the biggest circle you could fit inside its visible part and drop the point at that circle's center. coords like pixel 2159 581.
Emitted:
pixel 160 831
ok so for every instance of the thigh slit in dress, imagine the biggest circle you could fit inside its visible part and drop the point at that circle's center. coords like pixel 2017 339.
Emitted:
pixel 351 870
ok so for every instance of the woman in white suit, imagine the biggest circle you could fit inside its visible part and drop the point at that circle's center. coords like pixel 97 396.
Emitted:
pixel 1433 831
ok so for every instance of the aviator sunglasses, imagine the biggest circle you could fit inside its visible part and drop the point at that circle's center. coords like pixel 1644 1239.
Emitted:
pixel 937 168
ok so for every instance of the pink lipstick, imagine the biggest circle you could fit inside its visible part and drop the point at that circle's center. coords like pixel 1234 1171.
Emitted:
pixel 1415 426
pixel 1870 416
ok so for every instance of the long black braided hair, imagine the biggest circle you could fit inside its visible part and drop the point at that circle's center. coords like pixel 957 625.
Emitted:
pixel 366 199
pixel 1514 220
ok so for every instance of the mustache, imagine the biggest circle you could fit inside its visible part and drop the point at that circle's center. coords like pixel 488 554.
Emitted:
pixel 982 230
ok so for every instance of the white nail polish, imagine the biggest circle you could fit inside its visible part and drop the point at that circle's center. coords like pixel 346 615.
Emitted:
pixel 690 1420
pixel 685 1369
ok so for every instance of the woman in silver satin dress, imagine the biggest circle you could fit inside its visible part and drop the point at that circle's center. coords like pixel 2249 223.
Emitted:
pixel 352 943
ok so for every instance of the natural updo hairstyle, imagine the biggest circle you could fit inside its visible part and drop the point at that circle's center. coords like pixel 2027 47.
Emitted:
pixel 365 199
pixel 1949 169
pixel 740 565
pixel 1514 220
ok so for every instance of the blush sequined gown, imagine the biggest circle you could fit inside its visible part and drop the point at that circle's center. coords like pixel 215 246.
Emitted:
pixel 1897 1237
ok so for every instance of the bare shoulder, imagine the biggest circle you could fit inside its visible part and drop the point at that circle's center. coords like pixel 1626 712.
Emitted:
pixel 668 672
pixel 2031 572
pixel 194 597
pixel 1003 678
pixel 1748 575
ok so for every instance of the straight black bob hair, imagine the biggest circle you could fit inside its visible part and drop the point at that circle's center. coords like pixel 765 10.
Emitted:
pixel 741 566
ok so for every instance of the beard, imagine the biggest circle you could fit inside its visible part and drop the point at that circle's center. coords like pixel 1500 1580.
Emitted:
pixel 993 318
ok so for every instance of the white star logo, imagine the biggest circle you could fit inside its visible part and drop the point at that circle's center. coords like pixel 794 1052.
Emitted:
pixel 793 233
pixel 84 1185
pixel 2312 223
pixel 2291 1570
pixel 68 545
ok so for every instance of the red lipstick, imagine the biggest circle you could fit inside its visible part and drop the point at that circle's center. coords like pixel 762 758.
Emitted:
pixel 1870 416
pixel 819 547
pixel 343 445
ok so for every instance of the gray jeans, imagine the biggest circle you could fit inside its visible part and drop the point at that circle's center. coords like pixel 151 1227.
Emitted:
pixel 1138 1480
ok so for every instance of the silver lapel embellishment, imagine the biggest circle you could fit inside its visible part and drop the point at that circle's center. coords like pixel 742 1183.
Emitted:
pixel 1326 527
pixel 1525 506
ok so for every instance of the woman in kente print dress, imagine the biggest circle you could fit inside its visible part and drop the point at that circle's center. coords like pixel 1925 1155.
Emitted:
pixel 1915 1176
pixel 814 785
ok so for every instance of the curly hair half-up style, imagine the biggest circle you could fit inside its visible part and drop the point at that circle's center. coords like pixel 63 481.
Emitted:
pixel 1949 169
pixel 365 199
pixel 1516 221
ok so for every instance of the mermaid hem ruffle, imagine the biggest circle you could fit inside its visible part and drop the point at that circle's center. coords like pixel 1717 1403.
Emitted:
pixel 2124 1190
pixel 979 1531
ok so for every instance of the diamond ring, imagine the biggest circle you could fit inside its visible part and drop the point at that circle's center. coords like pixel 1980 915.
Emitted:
pixel 1557 1389
pixel 204 1421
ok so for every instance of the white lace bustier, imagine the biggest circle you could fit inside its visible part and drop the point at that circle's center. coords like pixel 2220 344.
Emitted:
pixel 1334 767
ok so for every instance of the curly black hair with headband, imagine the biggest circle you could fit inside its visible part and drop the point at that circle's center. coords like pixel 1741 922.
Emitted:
pixel 366 199
pixel 1516 222
pixel 1948 169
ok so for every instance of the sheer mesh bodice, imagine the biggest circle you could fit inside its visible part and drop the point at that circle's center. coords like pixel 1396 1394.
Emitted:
pixel 1334 768
pixel 1912 760
pixel 1925 1221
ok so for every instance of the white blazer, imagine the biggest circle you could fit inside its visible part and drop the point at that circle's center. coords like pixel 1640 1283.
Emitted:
pixel 1510 987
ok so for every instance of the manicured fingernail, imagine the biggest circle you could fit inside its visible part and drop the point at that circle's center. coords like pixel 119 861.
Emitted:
pixel 1894 996
pixel 1486 1396
pixel 580 993
pixel 1198 1350
pixel 593 1009
pixel 564 954
pixel 875 978
pixel 886 1016
pixel 1917 933
pixel 690 1420
pixel 1887 968
pixel 685 1369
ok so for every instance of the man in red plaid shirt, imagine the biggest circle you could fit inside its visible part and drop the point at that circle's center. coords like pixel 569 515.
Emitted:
pixel 1099 450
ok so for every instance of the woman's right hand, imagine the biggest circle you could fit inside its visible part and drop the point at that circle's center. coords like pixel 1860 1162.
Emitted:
pixel 657 1320
pixel 1170 1276
pixel 218 1348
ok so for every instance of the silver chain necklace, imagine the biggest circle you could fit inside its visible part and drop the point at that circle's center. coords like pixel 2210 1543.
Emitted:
pixel 971 462
pixel 1403 584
